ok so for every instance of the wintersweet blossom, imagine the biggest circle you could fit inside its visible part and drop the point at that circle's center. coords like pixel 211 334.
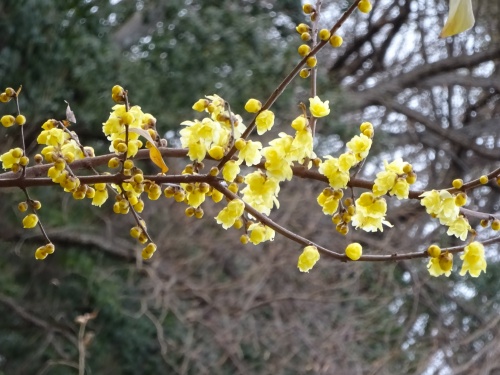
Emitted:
pixel 261 192
pixel 308 258
pixel 328 202
pixel 302 145
pixel 319 108
pixel 460 18
pixel 360 145
pixel 231 213
pixel 330 168
pixel 260 233
pixel 473 258
pixel 443 205
pixel 370 213
pixel 278 158
pixel 264 121
pixel 230 170
pixel 250 153
pixel 441 265
pixel 391 180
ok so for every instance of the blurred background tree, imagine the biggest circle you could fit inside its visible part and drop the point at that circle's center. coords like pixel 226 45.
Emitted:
pixel 206 304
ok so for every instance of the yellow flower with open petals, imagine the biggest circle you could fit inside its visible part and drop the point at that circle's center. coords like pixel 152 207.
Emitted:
pixel 441 265
pixel 460 18
pixel 473 258
pixel 308 258
pixel 319 108
pixel 264 121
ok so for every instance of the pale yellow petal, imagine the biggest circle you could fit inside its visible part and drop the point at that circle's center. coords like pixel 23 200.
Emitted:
pixel 460 18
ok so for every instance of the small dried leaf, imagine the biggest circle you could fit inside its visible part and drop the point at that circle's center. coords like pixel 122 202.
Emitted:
pixel 70 116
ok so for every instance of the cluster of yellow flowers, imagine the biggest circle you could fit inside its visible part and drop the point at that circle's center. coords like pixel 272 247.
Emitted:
pixel 441 263
pixel 222 133
pixel 446 207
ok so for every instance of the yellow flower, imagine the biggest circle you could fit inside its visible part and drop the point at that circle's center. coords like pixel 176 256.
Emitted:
pixel 319 108
pixel 11 157
pixel 231 213
pixel 260 233
pixel 278 158
pixel 360 145
pixel 299 123
pixel 330 168
pixel 459 227
pixel 370 213
pixel 347 161
pixel 302 145
pixel 250 153
pixel 230 170
pixel 473 258
pixel 261 192
pixel 460 18
pixel 328 203
pixel 441 265
pixel 264 121
pixel 100 197
pixel 354 251
pixel 308 258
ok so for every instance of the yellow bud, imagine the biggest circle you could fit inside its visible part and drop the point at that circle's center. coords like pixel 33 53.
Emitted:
pixel 495 225
pixel 302 28
pixel 253 106
pixel 238 224
pixel 20 120
pixel 118 94
pixel 179 196
pixel 305 37
pixel 354 251
pixel 233 187
pixel 114 162
pixel 24 161
pixel 41 253
pixel 30 221
pixel 411 178
pixel 189 211
pixel 139 206
pixel 200 105
pixel 304 73
pixel 214 171
pixel 311 61
pixel 4 98
pixel 304 50
pixel 483 179
pixel 457 183
pixel 307 8
pixel 446 261
pixel 336 41
pixel 128 164
pixel 434 251
pixel 461 199
pixel 22 206
pixel 365 6
pixel 324 34
pixel 38 158
pixel 36 205
pixel 198 213
pixel 8 121
pixel 121 147
pixel 244 239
